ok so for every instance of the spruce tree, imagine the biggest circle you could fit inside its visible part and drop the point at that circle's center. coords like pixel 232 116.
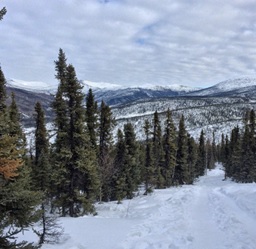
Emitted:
pixel 201 160
pixel 41 166
pixel 82 168
pixel 157 151
pixel 3 108
pixel 17 200
pixel 106 125
pixel 247 158
pixel 181 175
pixel 41 180
pixel 252 171
pixel 222 149
pixel 148 169
pixel 60 152
pixel 74 159
pixel 214 148
pixel 235 155
pixel 192 158
pixel 170 149
pixel 132 166
pixel 92 118
pixel 119 178
pixel 210 160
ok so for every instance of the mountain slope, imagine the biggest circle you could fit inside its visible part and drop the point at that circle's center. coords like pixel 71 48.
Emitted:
pixel 128 95
pixel 242 87
pixel 219 114
pixel 32 86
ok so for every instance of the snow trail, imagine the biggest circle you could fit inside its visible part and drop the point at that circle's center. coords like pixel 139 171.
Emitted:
pixel 197 217
pixel 211 214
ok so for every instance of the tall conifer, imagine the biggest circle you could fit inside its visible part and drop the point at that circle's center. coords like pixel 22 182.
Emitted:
pixel 201 160
pixel 17 200
pixel 181 175
pixel 148 169
pixel 92 118
pixel 74 159
pixel 170 149
pixel 157 151
pixel 132 166
pixel 119 178
pixel 106 168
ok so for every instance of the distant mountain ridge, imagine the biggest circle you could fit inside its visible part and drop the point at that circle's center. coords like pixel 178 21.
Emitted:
pixel 218 108
pixel 242 87
pixel 115 94
pixel 112 94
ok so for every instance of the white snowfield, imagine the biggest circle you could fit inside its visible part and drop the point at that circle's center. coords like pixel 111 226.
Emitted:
pixel 211 214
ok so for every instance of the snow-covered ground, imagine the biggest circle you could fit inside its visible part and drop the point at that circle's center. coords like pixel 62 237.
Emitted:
pixel 211 214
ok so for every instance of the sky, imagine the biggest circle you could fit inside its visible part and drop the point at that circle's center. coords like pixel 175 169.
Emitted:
pixel 130 42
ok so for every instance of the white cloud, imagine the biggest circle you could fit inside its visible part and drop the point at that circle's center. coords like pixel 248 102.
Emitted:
pixel 130 41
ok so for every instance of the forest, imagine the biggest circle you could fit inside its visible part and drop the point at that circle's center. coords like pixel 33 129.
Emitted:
pixel 85 165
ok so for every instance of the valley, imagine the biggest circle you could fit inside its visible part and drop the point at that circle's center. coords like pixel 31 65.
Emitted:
pixel 215 109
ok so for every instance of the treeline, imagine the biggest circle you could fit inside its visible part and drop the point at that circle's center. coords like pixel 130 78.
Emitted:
pixel 83 164
pixel 238 151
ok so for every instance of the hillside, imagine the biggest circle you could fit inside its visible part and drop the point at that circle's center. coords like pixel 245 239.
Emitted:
pixel 218 114
pixel 218 108
pixel 241 87
pixel 212 214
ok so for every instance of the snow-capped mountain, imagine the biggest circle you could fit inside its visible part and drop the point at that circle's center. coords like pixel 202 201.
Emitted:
pixel 32 86
pixel 95 86
pixel 218 108
pixel 112 94
pixel 237 87
pixel 115 95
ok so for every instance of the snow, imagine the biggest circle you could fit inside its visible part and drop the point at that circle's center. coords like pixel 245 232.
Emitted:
pixel 212 214
pixel 227 86
pixel 173 87
pixel 33 86
pixel 100 85
pixel 234 84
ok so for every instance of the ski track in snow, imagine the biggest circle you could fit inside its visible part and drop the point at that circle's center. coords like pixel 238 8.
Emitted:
pixel 211 214
pixel 197 217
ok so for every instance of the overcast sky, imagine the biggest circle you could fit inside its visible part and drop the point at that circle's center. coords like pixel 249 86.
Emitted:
pixel 130 42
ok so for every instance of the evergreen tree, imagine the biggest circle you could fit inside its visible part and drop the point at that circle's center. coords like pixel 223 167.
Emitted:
pixel 92 118
pixel 201 160
pixel 82 168
pixel 131 160
pixel 17 201
pixel 60 153
pixel 14 116
pixel 214 148
pixel 3 108
pixel 253 146
pixel 234 165
pixel 119 178
pixel 170 150
pixel 210 160
pixel 157 151
pixel 74 159
pixel 222 149
pixel 41 179
pixel 149 169
pixel 192 158
pixel 247 159
pixel 106 168
pixel 41 166
pixel 181 175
